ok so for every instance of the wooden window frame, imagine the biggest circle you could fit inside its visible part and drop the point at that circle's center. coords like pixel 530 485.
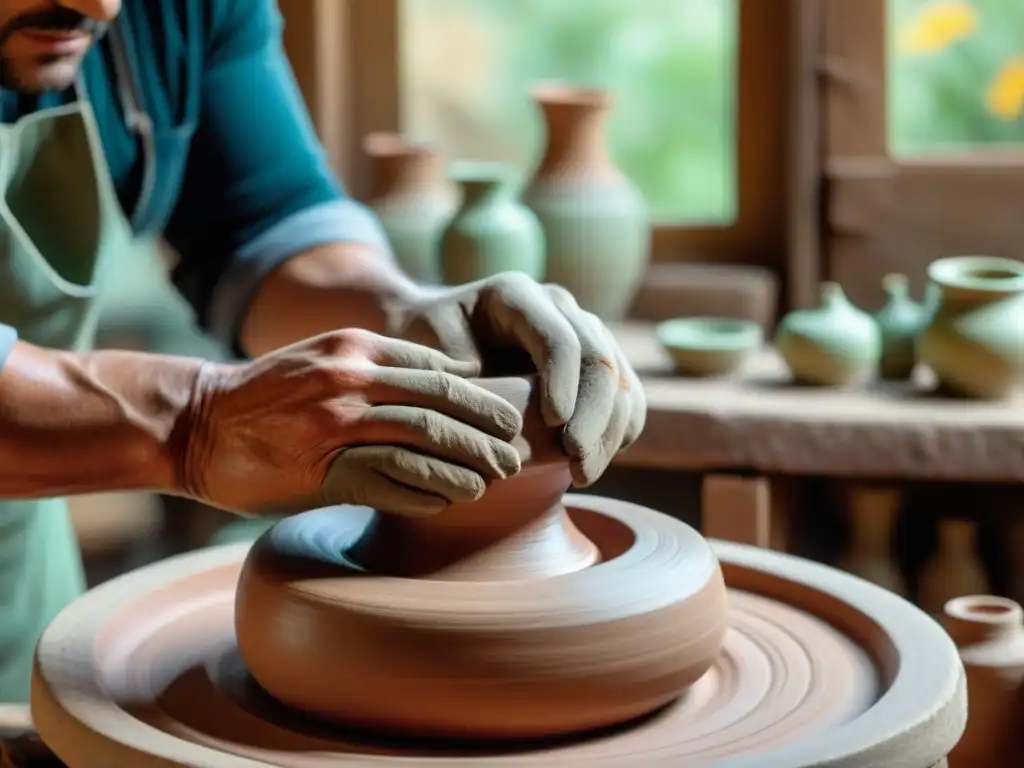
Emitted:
pixel 346 54
pixel 895 214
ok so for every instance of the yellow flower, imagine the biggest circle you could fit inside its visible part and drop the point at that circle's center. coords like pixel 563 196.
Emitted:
pixel 938 25
pixel 1005 97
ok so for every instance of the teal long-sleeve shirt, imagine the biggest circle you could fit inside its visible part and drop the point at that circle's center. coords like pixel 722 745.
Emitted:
pixel 242 181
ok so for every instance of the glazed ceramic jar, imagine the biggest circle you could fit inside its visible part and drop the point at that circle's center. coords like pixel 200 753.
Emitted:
pixel 595 221
pixel 900 321
pixel 413 200
pixel 834 344
pixel 492 231
pixel 975 341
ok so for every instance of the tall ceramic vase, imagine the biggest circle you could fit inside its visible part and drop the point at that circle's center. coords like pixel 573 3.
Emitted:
pixel 975 341
pixel 413 200
pixel 492 231
pixel 594 219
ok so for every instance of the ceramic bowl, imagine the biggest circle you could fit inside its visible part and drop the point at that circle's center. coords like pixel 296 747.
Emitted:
pixel 709 346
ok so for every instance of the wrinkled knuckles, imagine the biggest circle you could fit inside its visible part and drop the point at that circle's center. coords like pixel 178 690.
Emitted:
pixel 561 296
pixel 509 284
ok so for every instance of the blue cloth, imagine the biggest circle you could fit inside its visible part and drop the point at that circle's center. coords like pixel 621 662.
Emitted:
pixel 242 181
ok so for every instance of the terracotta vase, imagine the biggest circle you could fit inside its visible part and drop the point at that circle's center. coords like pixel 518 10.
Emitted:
pixel 900 321
pixel 413 200
pixel 492 231
pixel 595 221
pixel 503 618
pixel 975 341
pixel 989 633
pixel 872 510
pixel 834 344
pixel 954 568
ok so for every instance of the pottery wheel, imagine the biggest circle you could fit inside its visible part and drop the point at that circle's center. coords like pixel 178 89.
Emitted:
pixel 818 668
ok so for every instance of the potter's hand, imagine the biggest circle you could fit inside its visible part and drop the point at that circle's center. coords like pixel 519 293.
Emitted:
pixel 587 385
pixel 344 418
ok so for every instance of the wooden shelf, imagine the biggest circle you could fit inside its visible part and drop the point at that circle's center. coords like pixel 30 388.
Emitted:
pixel 760 421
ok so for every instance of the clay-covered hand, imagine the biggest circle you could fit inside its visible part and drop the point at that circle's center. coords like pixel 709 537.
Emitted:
pixel 587 384
pixel 344 418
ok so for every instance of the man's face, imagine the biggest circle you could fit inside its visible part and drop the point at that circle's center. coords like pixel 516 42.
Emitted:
pixel 42 42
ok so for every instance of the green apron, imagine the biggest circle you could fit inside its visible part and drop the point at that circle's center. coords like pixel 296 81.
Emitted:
pixel 62 231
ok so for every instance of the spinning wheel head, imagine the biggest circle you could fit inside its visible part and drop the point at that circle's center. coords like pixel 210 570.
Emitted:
pixel 505 618
pixel 817 668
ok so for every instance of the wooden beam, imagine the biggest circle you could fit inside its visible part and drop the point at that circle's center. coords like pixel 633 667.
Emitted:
pixel 854 69
pixel 314 35
pixel 374 58
pixel 804 250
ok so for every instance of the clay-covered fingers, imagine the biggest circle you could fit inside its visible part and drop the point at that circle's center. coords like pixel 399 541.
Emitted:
pixel 635 391
pixel 447 394
pixel 523 314
pixel 629 413
pixel 398 353
pixel 438 435
pixel 398 480
pixel 599 404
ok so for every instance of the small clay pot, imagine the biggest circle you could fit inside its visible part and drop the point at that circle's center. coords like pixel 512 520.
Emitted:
pixel 900 321
pixel 989 633
pixel 709 346
pixel 835 344
pixel 492 232
pixel 496 619
pixel 413 200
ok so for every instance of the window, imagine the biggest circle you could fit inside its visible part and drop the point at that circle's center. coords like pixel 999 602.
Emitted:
pixel 715 89
pixel 467 67
pixel 956 74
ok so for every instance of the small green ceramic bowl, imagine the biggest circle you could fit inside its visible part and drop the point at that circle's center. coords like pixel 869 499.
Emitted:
pixel 709 346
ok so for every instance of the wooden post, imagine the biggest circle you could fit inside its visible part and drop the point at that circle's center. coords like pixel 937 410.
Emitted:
pixel 736 508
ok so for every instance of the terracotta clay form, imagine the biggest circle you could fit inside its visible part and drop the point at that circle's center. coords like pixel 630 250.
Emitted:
pixel 495 612
pixel 989 631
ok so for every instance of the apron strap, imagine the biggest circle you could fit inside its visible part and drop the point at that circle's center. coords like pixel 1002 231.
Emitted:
pixel 129 93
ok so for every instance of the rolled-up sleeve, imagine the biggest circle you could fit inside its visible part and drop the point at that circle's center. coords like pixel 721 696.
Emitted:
pixel 258 188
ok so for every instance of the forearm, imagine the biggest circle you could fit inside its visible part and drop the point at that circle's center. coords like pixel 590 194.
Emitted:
pixel 334 286
pixel 89 422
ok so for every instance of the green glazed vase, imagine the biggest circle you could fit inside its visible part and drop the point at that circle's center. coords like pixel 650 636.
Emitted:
pixel 413 200
pixel 595 221
pixel 975 341
pixel 900 321
pixel 834 344
pixel 492 232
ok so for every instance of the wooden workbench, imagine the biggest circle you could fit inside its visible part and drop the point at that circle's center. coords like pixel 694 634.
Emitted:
pixel 748 432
